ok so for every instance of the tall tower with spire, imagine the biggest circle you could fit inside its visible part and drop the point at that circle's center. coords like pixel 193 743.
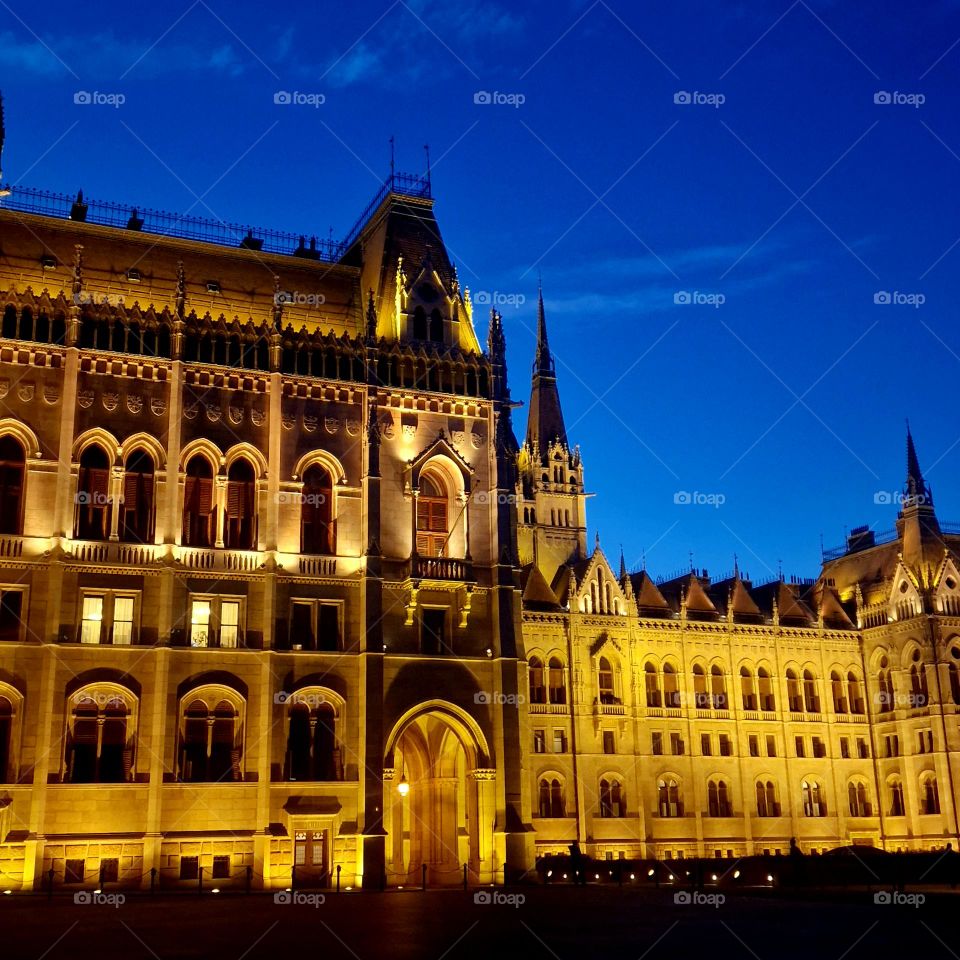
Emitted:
pixel 917 524
pixel 551 512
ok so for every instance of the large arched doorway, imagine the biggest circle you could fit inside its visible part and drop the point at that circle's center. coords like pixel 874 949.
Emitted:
pixel 440 802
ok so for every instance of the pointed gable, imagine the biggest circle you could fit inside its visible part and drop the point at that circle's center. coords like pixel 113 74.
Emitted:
pixel 537 594
pixel 650 601
pixel 829 608
pixel 742 604
pixel 697 602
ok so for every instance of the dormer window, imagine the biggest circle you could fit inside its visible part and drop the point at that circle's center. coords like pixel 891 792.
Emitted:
pixel 48 262
pixel 134 275
pixel 213 286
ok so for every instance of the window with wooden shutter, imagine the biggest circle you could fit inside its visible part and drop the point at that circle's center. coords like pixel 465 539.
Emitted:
pixel 431 517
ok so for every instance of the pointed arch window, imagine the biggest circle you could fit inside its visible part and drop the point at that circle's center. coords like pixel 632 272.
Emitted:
pixel 765 685
pixel 767 805
pixel 136 511
pixel 93 495
pixel 839 693
pixel 12 474
pixel 240 526
pixel 652 683
pixel 671 687
pixel 198 512
pixel 605 682
pixel 669 802
pixel 811 701
pixel 812 798
pixel 953 674
pixel 718 799
pixel 317 526
pixel 857 800
pixel 885 684
pixel 794 695
pixel 436 326
pixel 551 797
pixel 855 693
pixel 312 750
pixel 747 689
pixel 897 808
pixel 700 697
pixel 929 796
pixel 557 681
pixel 209 743
pixel 611 798
pixel 6 740
pixel 419 324
pixel 432 516
pixel 718 688
pixel 538 691
pixel 919 696
pixel 99 743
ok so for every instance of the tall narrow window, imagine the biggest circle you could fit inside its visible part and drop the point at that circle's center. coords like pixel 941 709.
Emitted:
pixel 557 682
pixel 137 507
pixel 209 750
pixel 200 623
pixel 765 684
pixel 436 326
pixel 671 686
pixel 11 613
pixel 6 740
pixel 198 514
pixel 123 620
pixel 700 696
pixel 855 693
pixel 432 530
pixel 896 799
pixel 240 526
pixel 433 630
pixel 229 623
pixel 747 689
pixel 811 701
pixel 96 750
pixel 537 687
pixel 839 693
pixel 93 495
pixel 419 324
pixel 930 796
pixel 12 468
pixel 794 696
pixel 652 685
pixel 91 623
pixel 718 688
pixel 605 681
pixel 317 529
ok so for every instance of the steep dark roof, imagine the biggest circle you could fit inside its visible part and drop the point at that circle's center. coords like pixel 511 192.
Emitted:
pixel 545 418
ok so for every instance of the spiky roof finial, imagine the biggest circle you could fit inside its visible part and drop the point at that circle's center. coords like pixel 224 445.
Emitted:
pixel 545 420
pixel 916 489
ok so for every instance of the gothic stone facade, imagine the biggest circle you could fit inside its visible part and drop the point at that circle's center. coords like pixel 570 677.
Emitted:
pixel 282 599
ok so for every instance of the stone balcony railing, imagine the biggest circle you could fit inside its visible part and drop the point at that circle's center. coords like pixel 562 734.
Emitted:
pixel 440 568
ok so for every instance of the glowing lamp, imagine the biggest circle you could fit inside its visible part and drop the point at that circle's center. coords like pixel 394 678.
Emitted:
pixel 403 788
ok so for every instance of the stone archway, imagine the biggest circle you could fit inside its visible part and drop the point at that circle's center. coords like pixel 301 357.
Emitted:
pixel 444 819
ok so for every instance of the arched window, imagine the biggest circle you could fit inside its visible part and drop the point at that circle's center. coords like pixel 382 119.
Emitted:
pixel 611 798
pixel 317 525
pixel 918 681
pixel 953 672
pixel 854 693
pixel 857 800
pixel 838 692
pixel 700 697
pixel 12 471
pixel 136 511
pixel 210 743
pixel 436 326
pixel 747 691
pixel 811 701
pixel 814 803
pixel 419 324
pixel 765 683
pixel 6 741
pixel 652 685
pixel 671 686
pixel 99 741
pixel 198 514
pixel 767 805
pixel 605 682
pixel 718 799
pixel 432 513
pixel 668 798
pixel 557 681
pixel 93 495
pixel 885 684
pixel 794 697
pixel 538 691
pixel 312 750
pixel 897 808
pixel 718 688
pixel 551 798
pixel 929 795
pixel 240 526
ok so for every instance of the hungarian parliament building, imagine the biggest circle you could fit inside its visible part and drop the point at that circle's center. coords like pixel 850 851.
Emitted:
pixel 283 600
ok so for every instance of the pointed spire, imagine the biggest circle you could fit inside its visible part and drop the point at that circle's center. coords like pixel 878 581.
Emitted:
pixel 623 564
pixel 545 421
pixel 3 137
pixel 916 490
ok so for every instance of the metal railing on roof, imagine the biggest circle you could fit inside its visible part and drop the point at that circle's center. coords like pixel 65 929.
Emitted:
pixel 146 220
pixel 864 543
pixel 407 184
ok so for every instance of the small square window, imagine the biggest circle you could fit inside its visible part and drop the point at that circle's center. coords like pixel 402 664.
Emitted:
pixel 73 871
pixel 221 868
pixel 109 870
pixel 189 868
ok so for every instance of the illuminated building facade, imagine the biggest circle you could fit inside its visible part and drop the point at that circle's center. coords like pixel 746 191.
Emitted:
pixel 282 598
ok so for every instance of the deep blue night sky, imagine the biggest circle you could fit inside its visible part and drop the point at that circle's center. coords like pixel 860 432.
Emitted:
pixel 797 199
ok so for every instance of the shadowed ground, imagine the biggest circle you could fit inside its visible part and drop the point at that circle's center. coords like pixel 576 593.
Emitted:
pixel 559 922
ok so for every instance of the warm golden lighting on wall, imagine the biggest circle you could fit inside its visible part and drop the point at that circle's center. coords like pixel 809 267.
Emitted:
pixel 403 788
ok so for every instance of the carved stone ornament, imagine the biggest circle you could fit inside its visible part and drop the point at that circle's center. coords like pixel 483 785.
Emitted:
pixel 158 406
pixel 331 424
pixel 85 399
pixel 235 414
pixel 110 400
pixel 213 412
pixel 288 420
pixel 310 423
pixel 409 431
pixel 191 410
pixel 134 402
pixel 387 428
pixel 51 393
pixel 476 438
pixel 353 426
pixel 257 416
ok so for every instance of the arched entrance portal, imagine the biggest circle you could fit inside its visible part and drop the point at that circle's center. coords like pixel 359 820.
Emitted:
pixel 440 810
